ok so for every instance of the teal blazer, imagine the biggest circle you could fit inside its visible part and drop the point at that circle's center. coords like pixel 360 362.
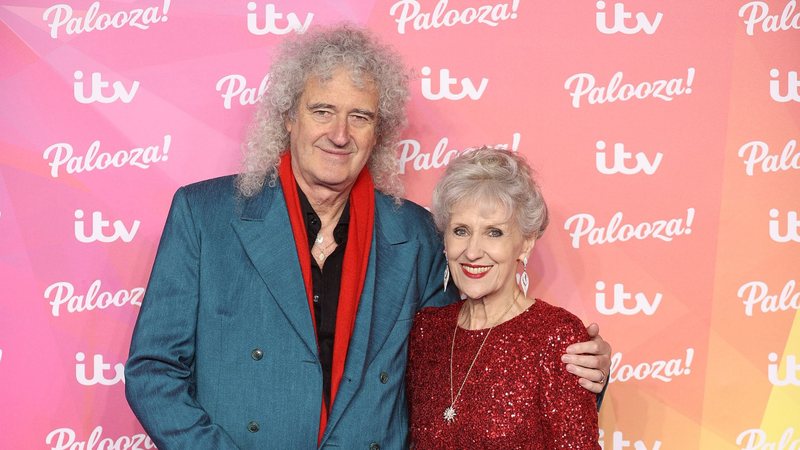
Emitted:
pixel 224 355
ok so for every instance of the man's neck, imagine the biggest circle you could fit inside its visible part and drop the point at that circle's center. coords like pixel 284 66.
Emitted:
pixel 327 203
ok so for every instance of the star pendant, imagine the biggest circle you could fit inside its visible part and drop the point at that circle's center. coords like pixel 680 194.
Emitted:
pixel 449 414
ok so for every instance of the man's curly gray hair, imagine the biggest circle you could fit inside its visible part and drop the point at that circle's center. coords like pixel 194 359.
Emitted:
pixel 318 54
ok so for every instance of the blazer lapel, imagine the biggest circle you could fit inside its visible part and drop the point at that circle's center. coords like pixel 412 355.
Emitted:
pixel 381 300
pixel 266 235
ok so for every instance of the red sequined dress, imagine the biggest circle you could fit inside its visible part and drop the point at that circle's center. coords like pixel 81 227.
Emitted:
pixel 519 394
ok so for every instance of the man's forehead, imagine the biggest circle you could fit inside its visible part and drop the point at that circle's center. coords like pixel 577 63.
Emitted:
pixel 325 81
pixel 340 90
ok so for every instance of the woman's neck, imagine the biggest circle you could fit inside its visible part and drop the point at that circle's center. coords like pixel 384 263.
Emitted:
pixel 486 312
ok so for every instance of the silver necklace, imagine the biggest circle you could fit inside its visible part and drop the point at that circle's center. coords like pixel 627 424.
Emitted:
pixel 450 412
pixel 321 256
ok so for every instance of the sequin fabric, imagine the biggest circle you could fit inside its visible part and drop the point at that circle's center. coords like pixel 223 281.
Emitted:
pixel 519 395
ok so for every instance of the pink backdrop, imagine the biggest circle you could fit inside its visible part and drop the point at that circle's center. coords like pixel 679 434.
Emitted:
pixel 665 134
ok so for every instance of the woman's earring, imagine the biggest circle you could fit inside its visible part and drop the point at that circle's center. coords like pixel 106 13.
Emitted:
pixel 523 279
pixel 446 274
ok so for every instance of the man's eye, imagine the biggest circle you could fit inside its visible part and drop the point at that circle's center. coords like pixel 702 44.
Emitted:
pixel 359 120
pixel 321 114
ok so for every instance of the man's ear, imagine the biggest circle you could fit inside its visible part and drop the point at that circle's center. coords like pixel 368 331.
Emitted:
pixel 288 122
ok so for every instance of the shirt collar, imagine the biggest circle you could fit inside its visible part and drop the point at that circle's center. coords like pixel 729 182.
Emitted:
pixel 313 224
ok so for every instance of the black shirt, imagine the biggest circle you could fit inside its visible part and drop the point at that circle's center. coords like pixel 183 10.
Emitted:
pixel 325 285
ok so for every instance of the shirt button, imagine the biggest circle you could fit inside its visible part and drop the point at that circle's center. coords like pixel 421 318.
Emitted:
pixel 257 354
pixel 384 377
pixel 253 427
pixel 374 446
pixel 316 299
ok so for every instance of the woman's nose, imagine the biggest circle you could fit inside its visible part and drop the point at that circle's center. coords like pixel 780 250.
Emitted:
pixel 474 248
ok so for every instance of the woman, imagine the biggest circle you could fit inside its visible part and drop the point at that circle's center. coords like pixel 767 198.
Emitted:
pixel 486 372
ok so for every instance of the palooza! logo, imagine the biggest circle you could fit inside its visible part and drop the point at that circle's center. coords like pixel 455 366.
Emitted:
pixel 792 87
pixel 757 293
pixel 583 226
pixel 409 11
pixel 98 225
pixel 758 12
pixel 792 227
pixel 293 24
pixel 64 439
pixel 63 293
pixel 98 87
pixel 445 81
pixel 620 19
pixel 99 371
pixel 621 157
pixel 618 442
pixel 410 152
pixel 61 15
pixel 790 376
pixel 642 304
pixel 583 85
pixel 233 86
pixel 756 439
pixel 141 157
pixel 758 153
pixel 658 370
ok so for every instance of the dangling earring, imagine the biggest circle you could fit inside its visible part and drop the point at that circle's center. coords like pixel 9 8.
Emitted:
pixel 523 279
pixel 446 274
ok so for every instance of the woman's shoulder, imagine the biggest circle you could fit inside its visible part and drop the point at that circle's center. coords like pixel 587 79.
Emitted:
pixel 434 315
pixel 559 322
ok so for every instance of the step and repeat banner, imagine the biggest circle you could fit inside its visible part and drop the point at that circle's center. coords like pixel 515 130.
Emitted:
pixel 665 135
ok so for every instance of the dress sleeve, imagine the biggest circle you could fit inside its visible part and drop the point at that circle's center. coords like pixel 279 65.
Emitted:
pixel 159 373
pixel 569 411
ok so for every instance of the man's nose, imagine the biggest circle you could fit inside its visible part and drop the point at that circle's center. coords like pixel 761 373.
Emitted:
pixel 339 132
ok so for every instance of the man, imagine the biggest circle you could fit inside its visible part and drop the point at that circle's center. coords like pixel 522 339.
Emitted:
pixel 279 306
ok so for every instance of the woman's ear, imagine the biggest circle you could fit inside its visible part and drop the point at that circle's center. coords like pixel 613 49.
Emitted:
pixel 527 247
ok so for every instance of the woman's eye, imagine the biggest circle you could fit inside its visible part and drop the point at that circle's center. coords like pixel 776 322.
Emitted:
pixel 460 231
pixel 494 232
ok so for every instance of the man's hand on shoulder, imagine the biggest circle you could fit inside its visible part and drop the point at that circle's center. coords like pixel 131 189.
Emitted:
pixel 590 361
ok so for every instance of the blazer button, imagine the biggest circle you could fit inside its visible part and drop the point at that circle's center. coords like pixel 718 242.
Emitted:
pixel 253 427
pixel 384 377
pixel 257 354
pixel 374 446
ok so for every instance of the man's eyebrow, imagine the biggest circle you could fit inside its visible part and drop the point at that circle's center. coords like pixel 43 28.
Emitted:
pixel 321 105
pixel 364 112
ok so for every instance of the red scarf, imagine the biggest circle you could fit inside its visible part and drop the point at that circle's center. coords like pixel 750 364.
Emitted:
pixel 354 267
